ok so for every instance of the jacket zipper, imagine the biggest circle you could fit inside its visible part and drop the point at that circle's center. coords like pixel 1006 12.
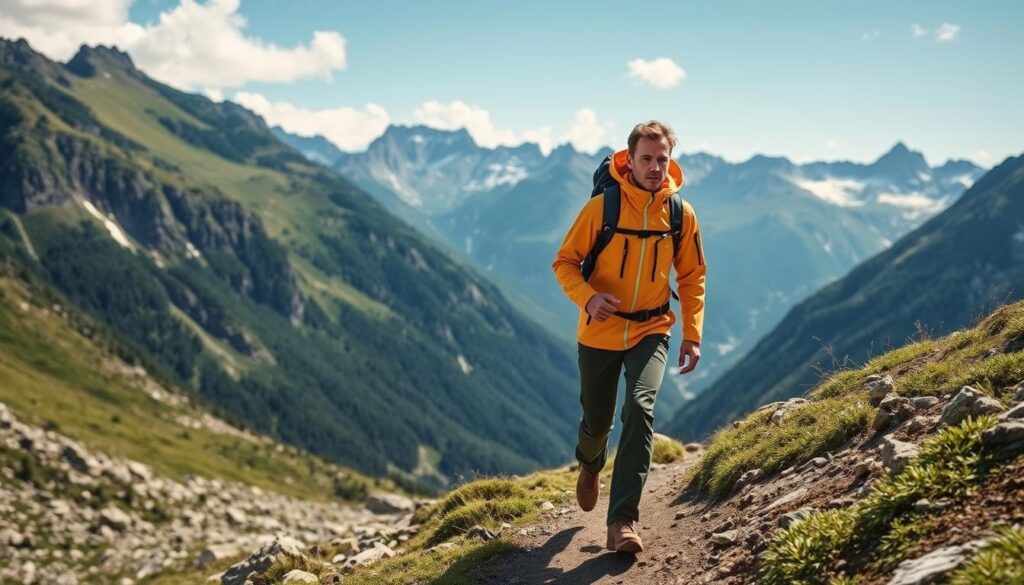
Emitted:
pixel 625 253
pixel 639 275
pixel 654 265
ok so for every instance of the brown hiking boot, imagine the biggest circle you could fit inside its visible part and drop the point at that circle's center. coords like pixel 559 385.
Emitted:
pixel 588 487
pixel 622 537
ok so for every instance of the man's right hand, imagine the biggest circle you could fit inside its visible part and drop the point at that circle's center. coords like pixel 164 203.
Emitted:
pixel 602 305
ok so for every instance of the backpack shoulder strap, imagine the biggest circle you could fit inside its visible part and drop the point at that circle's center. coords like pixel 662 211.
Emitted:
pixel 675 204
pixel 676 218
pixel 612 197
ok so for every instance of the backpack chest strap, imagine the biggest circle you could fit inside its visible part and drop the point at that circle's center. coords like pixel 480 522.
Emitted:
pixel 645 233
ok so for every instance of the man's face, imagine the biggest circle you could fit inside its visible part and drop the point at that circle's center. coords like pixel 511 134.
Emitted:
pixel 649 163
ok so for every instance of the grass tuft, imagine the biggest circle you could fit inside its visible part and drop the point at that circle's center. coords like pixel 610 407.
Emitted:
pixel 667 450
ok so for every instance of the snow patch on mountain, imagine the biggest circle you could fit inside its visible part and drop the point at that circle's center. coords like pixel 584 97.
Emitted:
pixel 498 175
pixel 111 225
pixel 841 192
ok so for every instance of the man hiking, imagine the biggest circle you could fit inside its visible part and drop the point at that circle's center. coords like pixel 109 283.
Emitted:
pixel 614 264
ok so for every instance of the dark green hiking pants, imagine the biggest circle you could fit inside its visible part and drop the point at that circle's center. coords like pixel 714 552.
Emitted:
pixel 599 377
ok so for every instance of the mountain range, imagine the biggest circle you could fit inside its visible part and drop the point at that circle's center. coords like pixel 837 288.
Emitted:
pixel 774 231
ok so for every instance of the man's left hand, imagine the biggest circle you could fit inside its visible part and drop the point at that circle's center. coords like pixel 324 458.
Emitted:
pixel 691 350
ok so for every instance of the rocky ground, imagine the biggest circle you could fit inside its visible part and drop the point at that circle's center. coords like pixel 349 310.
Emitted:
pixel 691 540
pixel 71 515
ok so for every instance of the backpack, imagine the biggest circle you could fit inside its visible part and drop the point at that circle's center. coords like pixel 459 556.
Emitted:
pixel 604 183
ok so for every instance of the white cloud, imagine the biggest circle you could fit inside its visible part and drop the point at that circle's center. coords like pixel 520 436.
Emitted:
pixel 348 128
pixel 947 32
pixel 661 73
pixel 587 134
pixel 191 45
pixel 981 158
pixel 870 35
pixel 917 31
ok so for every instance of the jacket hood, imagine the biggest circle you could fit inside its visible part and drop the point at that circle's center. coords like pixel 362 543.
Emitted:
pixel 620 172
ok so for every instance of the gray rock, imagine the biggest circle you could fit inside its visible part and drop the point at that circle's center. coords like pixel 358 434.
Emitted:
pixel 1018 396
pixel 259 561
pixel 115 518
pixel 968 402
pixel 925 402
pixel 726 538
pixel 693 447
pixel 1016 412
pixel 882 419
pixel 371 555
pixel 819 462
pixel 919 423
pixel 933 566
pixel 787 498
pixel 389 504
pixel 79 458
pixel 790 518
pixel 897 454
pixel 878 386
pixel 1003 433
pixel 297 577
pixel 547 506
pixel 139 471
pixel 779 415
pixel 235 516
pixel 6 418
pixel 481 533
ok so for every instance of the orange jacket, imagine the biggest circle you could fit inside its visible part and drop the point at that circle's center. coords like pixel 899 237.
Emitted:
pixel 627 269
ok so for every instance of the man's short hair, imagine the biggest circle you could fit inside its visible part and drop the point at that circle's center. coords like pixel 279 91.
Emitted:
pixel 654 130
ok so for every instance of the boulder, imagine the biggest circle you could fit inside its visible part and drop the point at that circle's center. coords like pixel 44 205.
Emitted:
pixel 790 518
pixel 897 454
pixel 371 555
pixel 115 518
pixel 968 402
pixel 925 402
pixel 259 561
pixel 726 538
pixel 1004 433
pixel 934 566
pixel 878 387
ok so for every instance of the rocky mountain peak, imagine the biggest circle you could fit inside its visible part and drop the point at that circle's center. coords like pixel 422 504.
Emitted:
pixel 88 60
pixel 900 162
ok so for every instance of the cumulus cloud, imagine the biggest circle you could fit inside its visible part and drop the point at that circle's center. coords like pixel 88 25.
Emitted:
pixel 947 32
pixel 586 133
pixel 661 73
pixel 348 128
pixel 917 31
pixel 191 45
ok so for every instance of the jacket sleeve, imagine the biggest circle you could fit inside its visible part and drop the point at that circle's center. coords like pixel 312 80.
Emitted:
pixel 575 247
pixel 690 275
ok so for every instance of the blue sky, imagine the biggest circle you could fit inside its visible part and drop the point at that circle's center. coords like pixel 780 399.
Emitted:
pixel 808 80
